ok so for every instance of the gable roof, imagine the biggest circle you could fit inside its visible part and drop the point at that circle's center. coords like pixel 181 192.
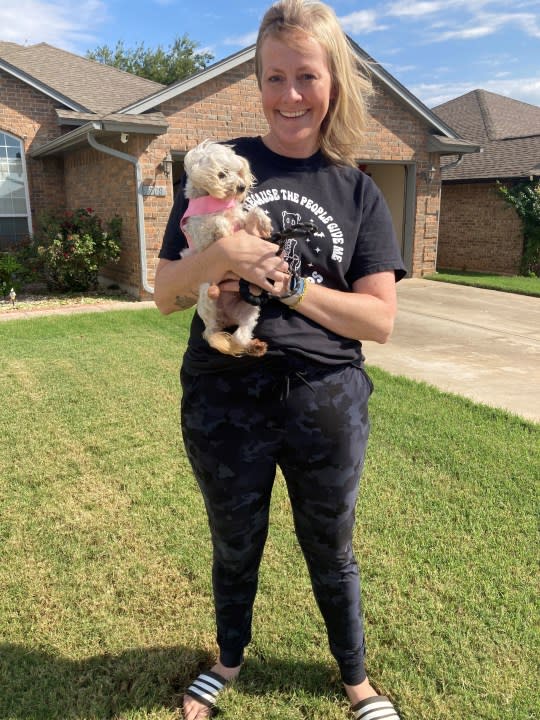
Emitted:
pixel 89 89
pixel 163 94
pixel 437 125
pixel 76 82
pixel 507 129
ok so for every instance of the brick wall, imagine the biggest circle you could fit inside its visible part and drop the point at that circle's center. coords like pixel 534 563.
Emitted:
pixel 107 185
pixel 478 230
pixel 395 134
pixel 30 116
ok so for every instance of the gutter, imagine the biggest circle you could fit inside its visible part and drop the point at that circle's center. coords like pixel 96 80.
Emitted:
pixel 451 146
pixel 78 136
pixel 140 204
pixel 67 141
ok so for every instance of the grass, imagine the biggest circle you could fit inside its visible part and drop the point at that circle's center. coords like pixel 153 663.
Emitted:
pixel 105 602
pixel 513 284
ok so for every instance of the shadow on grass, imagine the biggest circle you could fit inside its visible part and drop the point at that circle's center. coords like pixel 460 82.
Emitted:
pixel 38 685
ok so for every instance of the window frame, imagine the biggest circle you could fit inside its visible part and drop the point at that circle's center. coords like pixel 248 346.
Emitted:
pixel 28 213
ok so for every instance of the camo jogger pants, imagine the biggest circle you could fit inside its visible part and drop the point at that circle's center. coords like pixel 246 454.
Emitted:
pixel 313 423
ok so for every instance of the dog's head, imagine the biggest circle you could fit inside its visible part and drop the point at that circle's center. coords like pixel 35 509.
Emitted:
pixel 216 170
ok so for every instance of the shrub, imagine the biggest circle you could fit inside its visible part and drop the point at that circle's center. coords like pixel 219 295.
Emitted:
pixel 525 198
pixel 74 246
pixel 12 273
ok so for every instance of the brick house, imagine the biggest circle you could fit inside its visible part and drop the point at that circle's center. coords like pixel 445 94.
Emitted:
pixel 478 230
pixel 76 133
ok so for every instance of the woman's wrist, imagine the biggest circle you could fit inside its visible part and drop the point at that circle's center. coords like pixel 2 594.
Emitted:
pixel 223 253
pixel 297 292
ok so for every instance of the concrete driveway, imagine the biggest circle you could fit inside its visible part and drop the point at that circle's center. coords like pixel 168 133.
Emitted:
pixel 482 344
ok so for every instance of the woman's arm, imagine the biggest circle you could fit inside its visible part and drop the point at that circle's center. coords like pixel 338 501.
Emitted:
pixel 367 313
pixel 248 256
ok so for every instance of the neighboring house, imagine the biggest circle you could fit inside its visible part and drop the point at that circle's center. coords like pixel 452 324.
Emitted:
pixel 478 230
pixel 76 133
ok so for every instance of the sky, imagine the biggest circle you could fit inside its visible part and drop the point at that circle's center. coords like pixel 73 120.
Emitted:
pixel 438 49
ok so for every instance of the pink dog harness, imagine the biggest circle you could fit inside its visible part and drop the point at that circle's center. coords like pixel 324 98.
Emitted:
pixel 204 206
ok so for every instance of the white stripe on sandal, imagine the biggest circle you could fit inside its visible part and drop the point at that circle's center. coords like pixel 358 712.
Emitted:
pixel 206 688
pixel 375 708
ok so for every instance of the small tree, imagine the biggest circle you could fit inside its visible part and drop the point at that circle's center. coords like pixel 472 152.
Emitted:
pixel 177 62
pixel 524 197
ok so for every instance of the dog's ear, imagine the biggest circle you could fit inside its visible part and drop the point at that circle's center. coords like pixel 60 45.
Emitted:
pixel 189 161
pixel 246 172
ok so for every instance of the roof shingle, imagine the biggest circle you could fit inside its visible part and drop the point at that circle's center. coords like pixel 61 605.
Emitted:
pixel 96 87
pixel 507 129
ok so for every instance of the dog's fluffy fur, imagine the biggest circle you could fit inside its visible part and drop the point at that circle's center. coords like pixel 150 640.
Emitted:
pixel 216 170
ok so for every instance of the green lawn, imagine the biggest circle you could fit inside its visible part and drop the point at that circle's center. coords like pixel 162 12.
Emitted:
pixel 513 284
pixel 105 602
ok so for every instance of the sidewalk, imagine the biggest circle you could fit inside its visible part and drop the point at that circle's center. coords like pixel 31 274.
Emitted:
pixel 482 344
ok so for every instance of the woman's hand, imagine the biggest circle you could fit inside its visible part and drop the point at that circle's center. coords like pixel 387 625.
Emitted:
pixel 255 260
pixel 245 256
pixel 231 283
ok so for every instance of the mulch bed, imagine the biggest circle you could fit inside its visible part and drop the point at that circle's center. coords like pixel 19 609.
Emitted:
pixel 36 297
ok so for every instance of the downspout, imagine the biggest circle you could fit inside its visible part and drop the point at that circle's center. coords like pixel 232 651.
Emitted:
pixel 140 204
pixel 453 164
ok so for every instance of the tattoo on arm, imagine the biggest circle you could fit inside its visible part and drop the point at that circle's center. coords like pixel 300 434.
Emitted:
pixel 184 302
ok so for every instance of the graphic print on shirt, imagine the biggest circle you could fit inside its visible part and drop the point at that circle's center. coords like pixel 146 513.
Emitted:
pixel 328 239
pixel 289 220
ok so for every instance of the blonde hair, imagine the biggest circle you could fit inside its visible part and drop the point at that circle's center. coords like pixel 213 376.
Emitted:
pixel 342 129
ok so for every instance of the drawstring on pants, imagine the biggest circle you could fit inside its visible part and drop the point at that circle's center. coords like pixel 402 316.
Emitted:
pixel 286 383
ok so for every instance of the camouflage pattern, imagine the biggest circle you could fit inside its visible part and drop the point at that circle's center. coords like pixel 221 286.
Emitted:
pixel 313 423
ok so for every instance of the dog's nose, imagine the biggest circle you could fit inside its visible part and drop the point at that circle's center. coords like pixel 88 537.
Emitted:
pixel 240 188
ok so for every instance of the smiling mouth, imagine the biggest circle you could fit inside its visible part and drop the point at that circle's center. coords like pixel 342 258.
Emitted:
pixel 296 114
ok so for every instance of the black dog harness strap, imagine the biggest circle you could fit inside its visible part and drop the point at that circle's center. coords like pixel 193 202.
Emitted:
pixel 302 230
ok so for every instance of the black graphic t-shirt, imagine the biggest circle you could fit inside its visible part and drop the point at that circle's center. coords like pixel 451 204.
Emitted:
pixel 354 238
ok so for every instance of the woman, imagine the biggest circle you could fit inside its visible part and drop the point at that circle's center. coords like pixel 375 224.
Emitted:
pixel 305 402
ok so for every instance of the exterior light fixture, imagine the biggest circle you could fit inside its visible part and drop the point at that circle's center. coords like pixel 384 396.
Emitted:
pixel 166 165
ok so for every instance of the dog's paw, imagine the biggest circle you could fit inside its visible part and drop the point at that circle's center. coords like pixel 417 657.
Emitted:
pixel 258 223
pixel 256 348
pixel 228 345
pixel 213 292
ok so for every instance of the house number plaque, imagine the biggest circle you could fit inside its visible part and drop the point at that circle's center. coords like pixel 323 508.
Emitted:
pixel 154 190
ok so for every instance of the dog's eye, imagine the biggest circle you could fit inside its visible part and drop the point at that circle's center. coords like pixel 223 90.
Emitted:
pixel 222 175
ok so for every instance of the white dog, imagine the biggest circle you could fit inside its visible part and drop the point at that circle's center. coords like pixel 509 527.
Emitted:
pixel 217 183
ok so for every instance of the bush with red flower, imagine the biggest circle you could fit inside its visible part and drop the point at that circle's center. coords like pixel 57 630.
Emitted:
pixel 74 246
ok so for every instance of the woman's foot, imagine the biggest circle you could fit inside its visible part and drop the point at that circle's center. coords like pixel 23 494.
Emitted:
pixel 363 691
pixel 195 710
pixel 367 704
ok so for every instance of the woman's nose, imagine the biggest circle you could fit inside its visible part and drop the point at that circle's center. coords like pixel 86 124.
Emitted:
pixel 292 93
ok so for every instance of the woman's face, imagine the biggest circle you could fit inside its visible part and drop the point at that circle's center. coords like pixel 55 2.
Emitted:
pixel 296 88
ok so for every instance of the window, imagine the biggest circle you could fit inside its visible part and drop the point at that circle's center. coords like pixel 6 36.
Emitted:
pixel 14 216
